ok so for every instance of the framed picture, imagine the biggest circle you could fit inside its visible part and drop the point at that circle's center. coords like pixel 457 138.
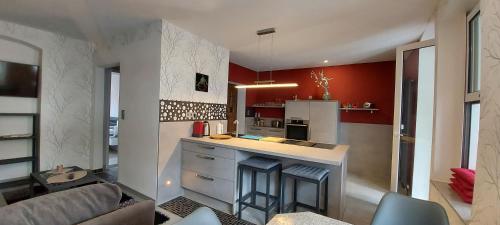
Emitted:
pixel 201 82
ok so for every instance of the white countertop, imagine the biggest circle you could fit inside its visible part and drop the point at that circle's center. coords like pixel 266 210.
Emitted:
pixel 333 156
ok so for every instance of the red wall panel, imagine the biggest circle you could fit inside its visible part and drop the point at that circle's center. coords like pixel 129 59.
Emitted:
pixel 357 83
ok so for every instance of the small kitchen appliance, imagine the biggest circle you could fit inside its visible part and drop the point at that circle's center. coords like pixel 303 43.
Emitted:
pixel 297 129
pixel 198 129
pixel 206 128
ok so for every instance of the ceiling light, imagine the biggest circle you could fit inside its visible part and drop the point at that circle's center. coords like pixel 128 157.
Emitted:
pixel 282 85
pixel 325 61
pixel 270 82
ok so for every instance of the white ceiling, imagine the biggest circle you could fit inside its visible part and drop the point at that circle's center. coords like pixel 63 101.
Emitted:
pixel 308 31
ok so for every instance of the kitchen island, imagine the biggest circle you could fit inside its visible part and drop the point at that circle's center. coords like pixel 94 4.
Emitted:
pixel 209 167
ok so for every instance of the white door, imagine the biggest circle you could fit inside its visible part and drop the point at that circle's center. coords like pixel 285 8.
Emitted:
pixel 324 122
pixel 413 119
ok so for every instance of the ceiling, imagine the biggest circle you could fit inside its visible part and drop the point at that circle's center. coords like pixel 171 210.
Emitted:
pixel 308 31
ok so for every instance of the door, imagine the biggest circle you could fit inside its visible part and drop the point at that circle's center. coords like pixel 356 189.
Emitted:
pixel 413 119
pixel 232 105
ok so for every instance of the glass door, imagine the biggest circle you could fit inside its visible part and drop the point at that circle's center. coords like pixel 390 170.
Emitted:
pixel 413 119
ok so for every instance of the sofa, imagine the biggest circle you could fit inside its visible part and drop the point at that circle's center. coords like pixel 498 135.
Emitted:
pixel 96 204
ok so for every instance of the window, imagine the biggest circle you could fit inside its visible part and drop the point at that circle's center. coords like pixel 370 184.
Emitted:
pixel 472 91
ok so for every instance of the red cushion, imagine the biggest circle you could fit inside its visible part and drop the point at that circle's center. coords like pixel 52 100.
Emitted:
pixel 465 174
pixel 457 190
pixel 457 184
pixel 462 183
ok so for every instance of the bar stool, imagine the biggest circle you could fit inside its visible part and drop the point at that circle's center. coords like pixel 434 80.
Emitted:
pixel 315 175
pixel 259 165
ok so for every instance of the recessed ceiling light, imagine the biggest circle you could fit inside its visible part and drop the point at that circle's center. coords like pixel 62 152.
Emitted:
pixel 325 61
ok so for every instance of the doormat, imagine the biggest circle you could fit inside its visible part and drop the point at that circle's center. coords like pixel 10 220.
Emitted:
pixel 182 207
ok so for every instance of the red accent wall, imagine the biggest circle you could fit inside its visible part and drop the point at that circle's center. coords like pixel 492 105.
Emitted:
pixel 243 75
pixel 357 83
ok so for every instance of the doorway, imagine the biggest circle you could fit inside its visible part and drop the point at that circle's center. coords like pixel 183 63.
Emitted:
pixel 112 113
pixel 413 119
pixel 232 107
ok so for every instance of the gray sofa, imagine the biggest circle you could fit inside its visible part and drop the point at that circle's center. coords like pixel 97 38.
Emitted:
pixel 96 204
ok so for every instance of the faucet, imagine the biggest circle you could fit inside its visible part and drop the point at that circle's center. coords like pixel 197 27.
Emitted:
pixel 236 122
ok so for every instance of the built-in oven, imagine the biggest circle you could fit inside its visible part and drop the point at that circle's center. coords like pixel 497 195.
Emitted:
pixel 297 129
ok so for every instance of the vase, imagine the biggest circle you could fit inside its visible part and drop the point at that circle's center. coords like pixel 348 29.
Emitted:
pixel 326 96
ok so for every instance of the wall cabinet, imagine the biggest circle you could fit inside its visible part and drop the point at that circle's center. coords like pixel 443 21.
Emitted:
pixel 323 122
pixel 323 118
pixel 297 109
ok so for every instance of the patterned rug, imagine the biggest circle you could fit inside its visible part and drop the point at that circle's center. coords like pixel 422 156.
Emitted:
pixel 182 207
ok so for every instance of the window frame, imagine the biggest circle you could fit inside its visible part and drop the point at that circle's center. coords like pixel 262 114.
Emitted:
pixel 470 98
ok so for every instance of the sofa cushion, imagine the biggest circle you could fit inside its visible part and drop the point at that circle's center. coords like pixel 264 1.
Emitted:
pixel 65 207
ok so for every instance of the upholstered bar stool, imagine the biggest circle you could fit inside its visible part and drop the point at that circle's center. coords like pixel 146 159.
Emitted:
pixel 259 165
pixel 315 175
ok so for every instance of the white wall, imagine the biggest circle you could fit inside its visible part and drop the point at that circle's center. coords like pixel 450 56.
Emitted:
pixel 66 101
pixel 139 55
pixel 370 151
pixel 182 56
pixel 114 98
pixel 450 83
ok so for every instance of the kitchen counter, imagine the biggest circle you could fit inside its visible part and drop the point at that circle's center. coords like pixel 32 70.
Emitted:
pixel 333 156
pixel 209 167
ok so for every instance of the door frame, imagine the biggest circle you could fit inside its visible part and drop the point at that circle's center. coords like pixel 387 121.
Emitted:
pixel 240 107
pixel 107 95
pixel 397 106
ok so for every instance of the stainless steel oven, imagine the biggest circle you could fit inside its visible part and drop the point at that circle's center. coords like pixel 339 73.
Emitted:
pixel 297 129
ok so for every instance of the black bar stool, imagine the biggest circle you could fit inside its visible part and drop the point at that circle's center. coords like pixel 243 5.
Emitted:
pixel 299 172
pixel 259 165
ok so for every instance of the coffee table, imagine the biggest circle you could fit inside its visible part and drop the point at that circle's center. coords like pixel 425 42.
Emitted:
pixel 41 178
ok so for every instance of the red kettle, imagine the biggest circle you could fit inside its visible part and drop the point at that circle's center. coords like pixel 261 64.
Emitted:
pixel 198 129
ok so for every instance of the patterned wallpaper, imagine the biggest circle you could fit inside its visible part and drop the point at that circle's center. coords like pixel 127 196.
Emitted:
pixel 67 88
pixel 182 56
pixel 174 111
pixel 486 205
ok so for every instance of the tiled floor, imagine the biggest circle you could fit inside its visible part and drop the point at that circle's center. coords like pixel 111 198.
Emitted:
pixel 363 196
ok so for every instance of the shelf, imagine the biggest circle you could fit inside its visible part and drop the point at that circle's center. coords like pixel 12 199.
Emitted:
pixel 15 183
pixel 16 160
pixel 18 114
pixel 359 109
pixel 269 106
pixel 15 138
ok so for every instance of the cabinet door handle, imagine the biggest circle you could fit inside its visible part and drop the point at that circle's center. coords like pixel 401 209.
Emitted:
pixel 207 147
pixel 204 177
pixel 255 129
pixel 276 131
pixel 205 157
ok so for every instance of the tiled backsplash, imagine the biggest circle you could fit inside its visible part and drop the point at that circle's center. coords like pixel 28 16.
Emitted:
pixel 173 111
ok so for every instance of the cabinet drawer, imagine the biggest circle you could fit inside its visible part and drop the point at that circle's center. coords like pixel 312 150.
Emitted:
pixel 208 149
pixel 208 164
pixel 212 186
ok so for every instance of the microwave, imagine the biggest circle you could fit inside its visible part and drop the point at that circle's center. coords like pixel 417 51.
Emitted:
pixel 297 130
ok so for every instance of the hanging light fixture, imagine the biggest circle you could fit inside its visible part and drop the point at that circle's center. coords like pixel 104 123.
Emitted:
pixel 267 83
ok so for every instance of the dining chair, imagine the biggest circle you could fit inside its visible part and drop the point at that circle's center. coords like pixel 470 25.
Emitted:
pixel 395 209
